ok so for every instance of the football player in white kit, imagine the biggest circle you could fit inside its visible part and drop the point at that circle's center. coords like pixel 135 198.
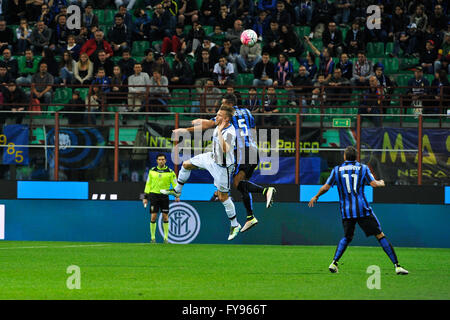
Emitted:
pixel 219 162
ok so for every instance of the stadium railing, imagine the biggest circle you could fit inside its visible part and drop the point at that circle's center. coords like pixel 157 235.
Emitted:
pixel 185 103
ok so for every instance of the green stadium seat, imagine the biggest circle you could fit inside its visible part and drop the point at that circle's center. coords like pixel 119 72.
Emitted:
pixel 295 64
pixel 429 77
pixel 344 31
pixel 244 79
pixel 375 49
pixel 187 28
pixel 169 59
pixel 157 43
pixel 312 118
pixel 181 98
pixel 391 65
pixel 302 31
pixel 83 92
pixel 402 81
pixel 139 48
pixel 318 44
pixel 199 3
pixel 105 16
pixel 116 59
pixel 62 95
pixel 406 63
pixel 191 61
pixel 208 29
pixel 389 48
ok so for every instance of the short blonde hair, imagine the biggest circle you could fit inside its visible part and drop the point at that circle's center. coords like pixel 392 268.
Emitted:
pixel 229 110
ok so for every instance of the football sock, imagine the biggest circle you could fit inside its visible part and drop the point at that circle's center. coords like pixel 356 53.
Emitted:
pixel 248 204
pixel 243 188
pixel 166 229
pixel 183 176
pixel 153 229
pixel 231 212
pixel 341 248
pixel 387 247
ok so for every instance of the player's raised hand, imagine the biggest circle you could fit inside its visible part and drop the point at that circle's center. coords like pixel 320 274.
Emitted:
pixel 312 202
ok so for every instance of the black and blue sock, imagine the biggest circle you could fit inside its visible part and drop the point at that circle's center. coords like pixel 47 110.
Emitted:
pixel 389 249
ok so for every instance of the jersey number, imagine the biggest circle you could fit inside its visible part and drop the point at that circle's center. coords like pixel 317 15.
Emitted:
pixel 347 181
pixel 243 126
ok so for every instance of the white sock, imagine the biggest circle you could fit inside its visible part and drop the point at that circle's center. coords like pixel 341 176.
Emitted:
pixel 231 212
pixel 183 176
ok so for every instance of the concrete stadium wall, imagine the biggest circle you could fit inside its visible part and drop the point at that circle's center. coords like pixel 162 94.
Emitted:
pixel 407 225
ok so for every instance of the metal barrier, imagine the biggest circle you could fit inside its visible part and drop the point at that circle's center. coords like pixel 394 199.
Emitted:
pixel 298 113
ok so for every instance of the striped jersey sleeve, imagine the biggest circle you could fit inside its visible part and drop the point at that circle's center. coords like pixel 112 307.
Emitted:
pixel 332 178
pixel 368 176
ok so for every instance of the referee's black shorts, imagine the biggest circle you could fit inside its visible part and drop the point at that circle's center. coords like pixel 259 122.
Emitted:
pixel 158 202
pixel 369 225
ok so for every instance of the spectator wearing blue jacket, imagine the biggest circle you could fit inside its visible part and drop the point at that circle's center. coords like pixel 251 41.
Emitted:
pixel 103 80
pixel 140 19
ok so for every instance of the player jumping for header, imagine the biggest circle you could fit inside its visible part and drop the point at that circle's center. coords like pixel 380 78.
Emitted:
pixel 246 155
pixel 219 163
pixel 350 178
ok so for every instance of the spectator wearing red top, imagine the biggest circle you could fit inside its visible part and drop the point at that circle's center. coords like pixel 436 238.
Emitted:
pixel 92 46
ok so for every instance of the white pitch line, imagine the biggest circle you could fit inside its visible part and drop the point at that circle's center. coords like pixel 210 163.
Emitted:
pixel 56 247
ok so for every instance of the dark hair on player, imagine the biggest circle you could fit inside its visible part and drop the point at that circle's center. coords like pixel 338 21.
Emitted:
pixel 230 99
pixel 350 153
pixel 161 155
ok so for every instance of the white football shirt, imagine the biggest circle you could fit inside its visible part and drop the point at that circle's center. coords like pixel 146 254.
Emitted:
pixel 220 157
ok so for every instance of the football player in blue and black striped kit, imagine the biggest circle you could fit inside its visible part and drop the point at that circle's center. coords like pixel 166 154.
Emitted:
pixel 350 178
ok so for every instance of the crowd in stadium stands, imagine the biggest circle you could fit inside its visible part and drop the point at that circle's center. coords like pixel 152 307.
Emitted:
pixel 38 46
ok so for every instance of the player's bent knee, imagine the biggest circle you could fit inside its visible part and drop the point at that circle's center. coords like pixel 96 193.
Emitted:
pixel 187 165
pixel 349 239
pixel 222 196
pixel 241 187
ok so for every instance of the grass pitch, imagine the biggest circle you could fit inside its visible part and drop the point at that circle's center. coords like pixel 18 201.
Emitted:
pixel 38 270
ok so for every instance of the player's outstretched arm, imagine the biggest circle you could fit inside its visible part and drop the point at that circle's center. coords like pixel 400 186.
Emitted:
pixel 377 183
pixel 324 189
pixel 201 124
pixel 204 123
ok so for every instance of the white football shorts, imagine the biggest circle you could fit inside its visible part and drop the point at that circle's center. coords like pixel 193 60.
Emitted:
pixel 221 175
